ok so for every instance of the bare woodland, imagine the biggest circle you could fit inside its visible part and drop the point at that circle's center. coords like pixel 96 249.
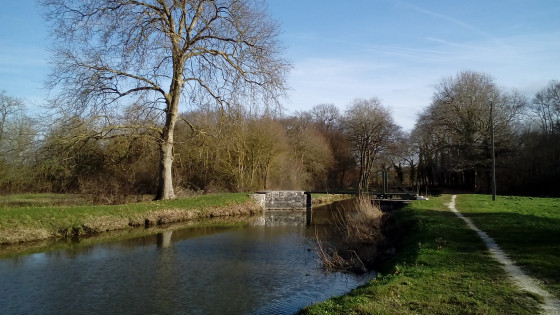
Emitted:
pixel 165 97
pixel 152 56
pixel 234 149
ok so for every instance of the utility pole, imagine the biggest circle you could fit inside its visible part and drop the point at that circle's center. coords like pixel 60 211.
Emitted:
pixel 493 153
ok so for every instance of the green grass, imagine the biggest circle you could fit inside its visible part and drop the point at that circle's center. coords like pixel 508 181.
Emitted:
pixel 526 228
pixel 42 200
pixel 48 245
pixel 442 267
pixel 18 224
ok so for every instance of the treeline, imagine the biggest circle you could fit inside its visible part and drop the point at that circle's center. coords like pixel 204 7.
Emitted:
pixel 453 137
pixel 234 149
pixel 214 150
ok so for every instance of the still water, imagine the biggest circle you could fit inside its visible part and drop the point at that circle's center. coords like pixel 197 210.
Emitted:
pixel 269 267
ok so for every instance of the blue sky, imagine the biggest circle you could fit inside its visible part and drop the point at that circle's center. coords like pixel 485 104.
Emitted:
pixel 342 50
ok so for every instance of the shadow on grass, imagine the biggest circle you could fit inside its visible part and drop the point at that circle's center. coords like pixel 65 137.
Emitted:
pixel 430 230
pixel 441 267
pixel 531 241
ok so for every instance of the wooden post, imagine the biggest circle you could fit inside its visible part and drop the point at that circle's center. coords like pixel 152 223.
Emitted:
pixel 493 154
pixel 385 184
pixel 308 208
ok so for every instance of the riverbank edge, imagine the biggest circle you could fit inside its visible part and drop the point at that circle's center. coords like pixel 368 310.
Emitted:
pixel 27 224
pixel 27 228
pixel 433 272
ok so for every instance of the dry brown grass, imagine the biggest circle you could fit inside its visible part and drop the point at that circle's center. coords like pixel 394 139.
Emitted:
pixel 357 232
pixel 167 216
pixel 10 236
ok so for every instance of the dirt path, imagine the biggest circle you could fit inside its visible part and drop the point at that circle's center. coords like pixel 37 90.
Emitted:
pixel 551 305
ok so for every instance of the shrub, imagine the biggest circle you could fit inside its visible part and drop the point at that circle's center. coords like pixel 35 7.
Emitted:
pixel 353 244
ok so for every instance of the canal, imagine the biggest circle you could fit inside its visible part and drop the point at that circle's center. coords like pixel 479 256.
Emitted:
pixel 267 267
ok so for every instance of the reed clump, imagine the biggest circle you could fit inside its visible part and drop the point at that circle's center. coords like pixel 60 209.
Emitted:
pixel 355 239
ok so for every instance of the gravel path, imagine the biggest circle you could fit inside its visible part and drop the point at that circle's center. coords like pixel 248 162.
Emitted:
pixel 551 305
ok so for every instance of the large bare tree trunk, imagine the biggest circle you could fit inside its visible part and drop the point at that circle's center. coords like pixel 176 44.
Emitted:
pixel 165 176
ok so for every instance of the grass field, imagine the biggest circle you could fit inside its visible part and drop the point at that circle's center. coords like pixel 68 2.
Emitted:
pixel 42 200
pixel 443 267
pixel 527 229
pixel 30 217
pixel 42 220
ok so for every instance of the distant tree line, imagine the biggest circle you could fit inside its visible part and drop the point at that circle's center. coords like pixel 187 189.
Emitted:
pixel 452 137
pixel 235 148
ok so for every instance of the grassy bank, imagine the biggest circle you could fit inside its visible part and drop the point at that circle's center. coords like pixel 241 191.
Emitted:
pixel 527 229
pixel 325 199
pixel 29 223
pixel 442 267
pixel 43 200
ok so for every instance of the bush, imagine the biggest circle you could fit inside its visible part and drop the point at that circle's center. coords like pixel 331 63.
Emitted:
pixel 357 233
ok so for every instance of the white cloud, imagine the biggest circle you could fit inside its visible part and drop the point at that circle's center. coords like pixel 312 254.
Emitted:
pixel 405 77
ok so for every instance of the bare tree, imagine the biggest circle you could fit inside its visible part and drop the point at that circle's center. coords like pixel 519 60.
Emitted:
pixel 454 132
pixel 9 108
pixel 403 156
pixel 17 134
pixel 160 53
pixel 310 156
pixel 546 108
pixel 327 120
pixel 370 128
pixel 326 117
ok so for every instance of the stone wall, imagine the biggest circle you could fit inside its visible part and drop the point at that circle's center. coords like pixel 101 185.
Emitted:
pixel 276 200
pixel 260 199
pixel 281 218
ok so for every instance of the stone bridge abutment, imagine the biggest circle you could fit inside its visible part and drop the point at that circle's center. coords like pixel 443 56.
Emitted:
pixel 282 199
pixel 285 200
